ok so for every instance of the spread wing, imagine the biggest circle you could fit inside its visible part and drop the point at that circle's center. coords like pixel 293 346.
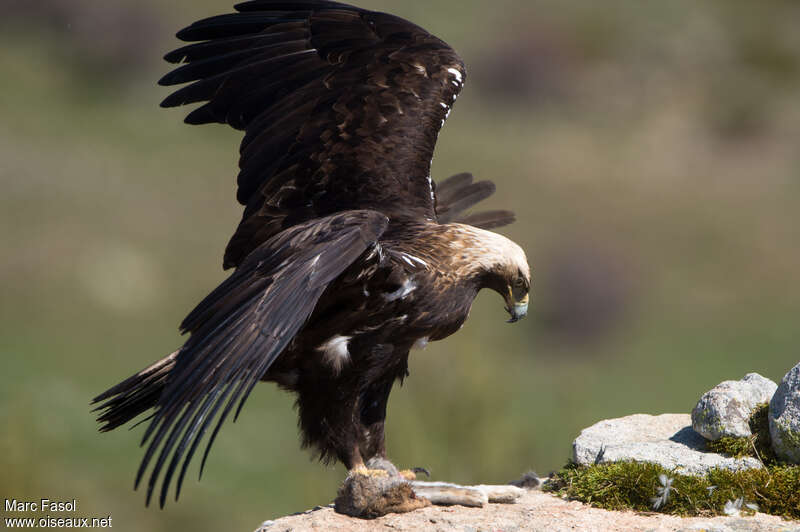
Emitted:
pixel 241 328
pixel 341 108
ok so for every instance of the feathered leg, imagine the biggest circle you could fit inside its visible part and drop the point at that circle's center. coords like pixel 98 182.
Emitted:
pixel 377 488
pixel 351 429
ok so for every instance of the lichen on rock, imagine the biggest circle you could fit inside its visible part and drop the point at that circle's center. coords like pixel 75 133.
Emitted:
pixel 784 417
pixel 667 440
pixel 758 446
pixel 725 410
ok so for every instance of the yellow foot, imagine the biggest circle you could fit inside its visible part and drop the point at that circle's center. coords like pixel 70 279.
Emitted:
pixel 411 474
pixel 408 474
pixel 374 473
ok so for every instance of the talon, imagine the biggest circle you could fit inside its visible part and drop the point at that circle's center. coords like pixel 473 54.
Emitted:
pixel 411 474
pixel 421 470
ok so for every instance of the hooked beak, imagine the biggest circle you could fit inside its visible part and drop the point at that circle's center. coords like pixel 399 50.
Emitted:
pixel 517 309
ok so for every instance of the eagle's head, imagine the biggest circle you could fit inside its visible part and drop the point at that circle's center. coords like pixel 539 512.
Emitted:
pixel 512 280
pixel 497 263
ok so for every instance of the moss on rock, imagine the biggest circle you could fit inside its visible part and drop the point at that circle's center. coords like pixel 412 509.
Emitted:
pixel 637 485
pixel 735 447
pixel 634 485
pixel 758 445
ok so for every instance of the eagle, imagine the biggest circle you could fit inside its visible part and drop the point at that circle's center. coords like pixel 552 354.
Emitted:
pixel 347 256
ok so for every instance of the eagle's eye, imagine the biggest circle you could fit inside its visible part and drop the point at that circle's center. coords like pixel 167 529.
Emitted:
pixel 519 288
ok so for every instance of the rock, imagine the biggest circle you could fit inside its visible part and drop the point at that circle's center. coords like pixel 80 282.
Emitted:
pixel 784 417
pixel 737 525
pixel 667 440
pixel 534 510
pixel 725 410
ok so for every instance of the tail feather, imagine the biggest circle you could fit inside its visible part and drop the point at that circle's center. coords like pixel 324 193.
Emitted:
pixel 447 190
pixel 488 219
pixel 133 396
pixel 467 197
pixel 458 193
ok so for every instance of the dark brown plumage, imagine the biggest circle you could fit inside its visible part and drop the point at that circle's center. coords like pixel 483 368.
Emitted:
pixel 347 255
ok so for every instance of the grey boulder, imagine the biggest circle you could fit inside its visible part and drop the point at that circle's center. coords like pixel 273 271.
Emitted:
pixel 784 417
pixel 725 410
pixel 667 440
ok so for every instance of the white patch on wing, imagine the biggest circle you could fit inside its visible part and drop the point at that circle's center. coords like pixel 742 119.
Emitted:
pixel 335 353
pixel 456 73
pixel 408 286
pixel 411 260
pixel 430 183
pixel 421 343
pixel 314 263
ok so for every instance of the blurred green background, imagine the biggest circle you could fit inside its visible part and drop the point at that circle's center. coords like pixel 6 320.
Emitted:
pixel 650 149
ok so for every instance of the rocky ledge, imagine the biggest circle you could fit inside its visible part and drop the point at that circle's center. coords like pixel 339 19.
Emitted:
pixel 535 510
